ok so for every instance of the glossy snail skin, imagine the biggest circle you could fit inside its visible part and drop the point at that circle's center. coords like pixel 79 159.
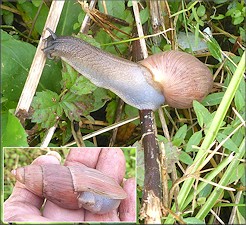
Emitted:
pixel 174 77
pixel 72 187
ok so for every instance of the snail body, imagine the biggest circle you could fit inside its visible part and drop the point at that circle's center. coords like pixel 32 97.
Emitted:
pixel 174 77
pixel 72 187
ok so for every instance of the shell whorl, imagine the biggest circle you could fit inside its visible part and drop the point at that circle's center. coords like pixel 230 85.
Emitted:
pixel 180 76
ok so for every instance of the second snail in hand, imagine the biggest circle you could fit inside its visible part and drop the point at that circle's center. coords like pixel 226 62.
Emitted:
pixel 172 77
pixel 72 187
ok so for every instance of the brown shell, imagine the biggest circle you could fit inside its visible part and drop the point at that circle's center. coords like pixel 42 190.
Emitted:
pixel 94 180
pixel 180 76
pixel 63 184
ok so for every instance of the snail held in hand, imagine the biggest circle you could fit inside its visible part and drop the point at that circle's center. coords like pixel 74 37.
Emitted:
pixel 72 187
pixel 174 77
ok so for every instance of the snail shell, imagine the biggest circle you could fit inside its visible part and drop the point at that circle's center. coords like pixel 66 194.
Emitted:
pixel 72 187
pixel 180 76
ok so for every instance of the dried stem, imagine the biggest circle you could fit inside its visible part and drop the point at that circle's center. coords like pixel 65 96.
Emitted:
pixel 77 134
pixel 48 136
pixel 151 203
pixel 39 59
pixel 37 69
pixel 86 22
pixel 103 130
pixel 117 119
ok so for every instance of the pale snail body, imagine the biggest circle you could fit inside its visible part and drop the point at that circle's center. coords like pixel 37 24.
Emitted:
pixel 72 187
pixel 145 85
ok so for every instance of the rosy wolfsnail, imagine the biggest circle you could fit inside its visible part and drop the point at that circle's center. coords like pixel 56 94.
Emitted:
pixel 174 77
pixel 72 187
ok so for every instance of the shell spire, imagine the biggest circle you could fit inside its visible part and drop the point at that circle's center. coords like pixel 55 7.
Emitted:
pixel 32 177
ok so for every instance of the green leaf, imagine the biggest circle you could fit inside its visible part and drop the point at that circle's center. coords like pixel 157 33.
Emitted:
pixel 37 3
pixel 220 1
pixel 229 144
pixel 172 155
pixel 110 111
pixel 16 60
pixel 198 20
pixel 203 115
pixel 155 49
pixel 193 220
pixel 75 106
pixel 201 201
pixel 8 17
pixel 238 172
pixel 213 99
pixel 237 20
pixel 236 13
pixel 219 17
pixel 51 77
pixel 144 15
pixel 83 86
pixel 242 33
pixel 114 8
pixel 239 101
pixel 88 39
pixel 105 39
pixel 17 57
pixel 29 13
pixel 185 158
pixel 47 108
pixel 180 135
pixel 206 191
pixel 21 1
pixel 101 97
pixel 70 15
pixel 238 136
pixel 240 218
pixel 201 10
pixel 214 49
pixel 129 3
pixel 69 76
pixel 131 112
pixel 195 139
pixel 13 134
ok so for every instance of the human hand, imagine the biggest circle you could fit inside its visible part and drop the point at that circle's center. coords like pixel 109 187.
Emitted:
pixel 23 205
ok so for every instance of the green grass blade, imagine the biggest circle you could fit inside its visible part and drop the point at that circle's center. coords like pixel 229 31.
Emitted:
pixel 211 134
pixel 211 201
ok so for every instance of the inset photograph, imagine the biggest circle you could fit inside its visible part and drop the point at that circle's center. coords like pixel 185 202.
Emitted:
pixel 70 184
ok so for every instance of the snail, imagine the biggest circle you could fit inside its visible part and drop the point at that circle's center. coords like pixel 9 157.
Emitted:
pixel 72 187
pixel 173 77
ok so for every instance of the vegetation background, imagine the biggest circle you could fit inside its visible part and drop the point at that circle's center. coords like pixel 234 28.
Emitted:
pixel 59 93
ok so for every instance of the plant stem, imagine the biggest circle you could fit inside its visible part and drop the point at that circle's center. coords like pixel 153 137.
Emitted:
pixel 152 183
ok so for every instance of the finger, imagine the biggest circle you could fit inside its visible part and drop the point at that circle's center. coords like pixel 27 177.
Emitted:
pixel 112 163
pixel 51 157
pixel 86 156
pixel 57 213
pixel 111 216
pixel 23 202
pixel 127 209
pixel 27 218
